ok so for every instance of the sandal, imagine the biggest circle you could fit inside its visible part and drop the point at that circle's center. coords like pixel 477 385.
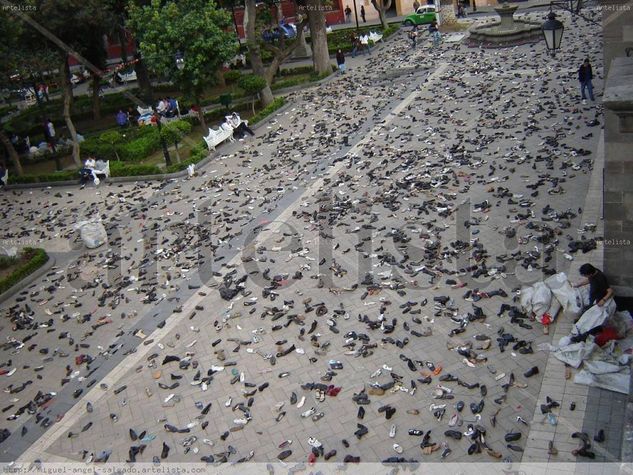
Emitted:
pixel 317 416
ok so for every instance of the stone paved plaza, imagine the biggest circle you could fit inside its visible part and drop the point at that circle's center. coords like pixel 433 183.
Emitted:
pixel 343 223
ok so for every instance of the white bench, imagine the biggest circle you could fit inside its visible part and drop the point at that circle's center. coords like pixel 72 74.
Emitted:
pixel 217 136
pixel 101 171
pixel 375 37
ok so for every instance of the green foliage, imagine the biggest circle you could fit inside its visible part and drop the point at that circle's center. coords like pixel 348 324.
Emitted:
pixel 7 261
pixel 129 169
pixel 141 147
pixel 232 76
pixel 34 259
pixel 251 83
pixel 197 28
pixel 266 111
pixel 66 175
pixel 112 138
pixel 174 131
pixel 226 100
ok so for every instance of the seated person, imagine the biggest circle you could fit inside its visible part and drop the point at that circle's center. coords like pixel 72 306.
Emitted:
pixel 85 174
pixel 172 108
pixel 122 119
pixel 225 125
pixel 239 126
pixel 162 107
pixel 599 290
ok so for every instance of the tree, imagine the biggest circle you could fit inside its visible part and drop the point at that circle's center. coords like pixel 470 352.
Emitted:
pixel 252 84
pixel 281 51
pixel 195 28
pixel 69 23
pixel 382 6
pixel 112 138
pixel 447 11
pixel 318 35
pixel 174 132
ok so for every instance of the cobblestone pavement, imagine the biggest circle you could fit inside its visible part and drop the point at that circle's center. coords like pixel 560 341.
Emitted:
pixel 411 168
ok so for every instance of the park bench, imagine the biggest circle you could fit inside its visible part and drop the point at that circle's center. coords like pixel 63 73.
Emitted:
pixel 375 37
pixel 217 136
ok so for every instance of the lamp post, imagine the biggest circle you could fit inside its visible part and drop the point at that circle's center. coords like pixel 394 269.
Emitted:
pixel 356 16
pixel 552 32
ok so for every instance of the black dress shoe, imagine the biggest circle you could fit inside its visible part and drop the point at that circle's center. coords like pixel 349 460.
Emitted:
pixel 453 434
pixel 531 372
pixel 165 452
pixel 599 437
pixel 512 436
pixel 459 406
pixel 361 431
pixel 361 412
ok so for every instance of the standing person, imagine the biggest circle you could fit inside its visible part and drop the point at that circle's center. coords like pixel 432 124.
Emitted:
pixel 416 5
pixel 585 75
pixel 340 60
pixel 122 119
pixel 49 131
pixel 413 36
pixel 435 33
pixel 362 13
pixel 354 41
pixel 348 14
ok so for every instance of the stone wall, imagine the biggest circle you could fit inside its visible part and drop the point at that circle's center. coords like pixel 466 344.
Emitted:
pixel 618 140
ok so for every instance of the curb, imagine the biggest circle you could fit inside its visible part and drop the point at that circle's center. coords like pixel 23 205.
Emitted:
pixel 28 280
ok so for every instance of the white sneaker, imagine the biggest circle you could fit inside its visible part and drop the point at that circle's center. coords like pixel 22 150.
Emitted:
pixel 308 413
pixel 584 101
pixel 312 442
pixel 397 448
pixel 392 431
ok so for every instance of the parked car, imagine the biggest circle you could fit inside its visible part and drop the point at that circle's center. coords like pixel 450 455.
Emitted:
pixel 126 76
pixel 423 15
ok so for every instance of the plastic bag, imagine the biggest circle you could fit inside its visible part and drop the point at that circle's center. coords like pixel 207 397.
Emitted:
pixel 526 299
pixel 541 299
pixel 93 233
pixel 569 298
pixel 191 169
pixel 593 317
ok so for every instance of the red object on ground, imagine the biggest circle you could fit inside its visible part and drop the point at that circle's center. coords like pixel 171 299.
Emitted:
pixel 546 319
pixel 606 335
pixel 311 458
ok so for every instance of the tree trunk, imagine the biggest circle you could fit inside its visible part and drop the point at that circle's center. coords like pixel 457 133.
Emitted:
pixel 220 78
pixel 96 100
pixel 142 78
pixel 320 54
pixel 177 152
pixel 123 43
pixel 67 92
pixel 381 7
pixel 13 154
pixel 203 123
pixel 447 12
pixel 254 53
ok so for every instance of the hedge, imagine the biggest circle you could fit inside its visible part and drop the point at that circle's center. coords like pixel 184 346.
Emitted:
pixel 37 258
pixel 269 109
pixel 340 39
pixel 129 169
pixel 66 175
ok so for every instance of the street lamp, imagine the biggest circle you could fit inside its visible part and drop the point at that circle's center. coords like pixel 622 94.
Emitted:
pixel 356 16
pixel 552 32
pixel 180 60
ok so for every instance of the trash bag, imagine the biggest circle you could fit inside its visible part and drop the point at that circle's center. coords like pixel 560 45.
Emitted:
pixel 593 317
pixel 93 233
pixel 541 298
pixel 569 298
pixel 526 299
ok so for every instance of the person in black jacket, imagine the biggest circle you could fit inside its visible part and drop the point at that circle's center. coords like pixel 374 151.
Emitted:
pixel 340 60
pixel 585 75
